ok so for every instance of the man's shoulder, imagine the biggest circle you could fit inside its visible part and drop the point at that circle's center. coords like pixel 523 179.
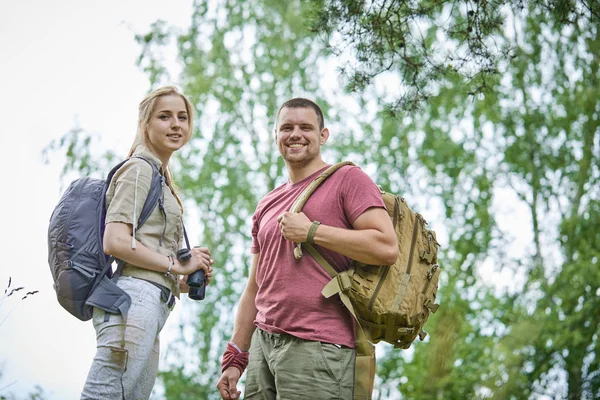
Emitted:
pixel 350 168
pixel 349 174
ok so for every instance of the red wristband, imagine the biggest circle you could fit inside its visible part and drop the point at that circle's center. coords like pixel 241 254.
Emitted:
pixel 234 358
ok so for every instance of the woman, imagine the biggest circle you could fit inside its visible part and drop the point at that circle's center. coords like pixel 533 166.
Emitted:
pixel 126 361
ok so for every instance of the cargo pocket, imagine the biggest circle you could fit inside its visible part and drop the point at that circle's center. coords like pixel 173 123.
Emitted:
pixel 336 360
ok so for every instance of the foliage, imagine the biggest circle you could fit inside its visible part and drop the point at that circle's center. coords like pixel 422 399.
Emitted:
pixel 533 134
pixel 79 150
pixel 426 42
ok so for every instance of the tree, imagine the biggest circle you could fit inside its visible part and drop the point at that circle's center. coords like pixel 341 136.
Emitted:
pixel 532 136
pixel 427 42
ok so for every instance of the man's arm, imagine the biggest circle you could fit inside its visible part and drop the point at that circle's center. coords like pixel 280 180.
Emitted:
pixel 246 313
pixel 242 333
pixel 372 241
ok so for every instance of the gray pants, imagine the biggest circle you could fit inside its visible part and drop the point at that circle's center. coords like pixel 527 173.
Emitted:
pixel 126 361
pixel 284 367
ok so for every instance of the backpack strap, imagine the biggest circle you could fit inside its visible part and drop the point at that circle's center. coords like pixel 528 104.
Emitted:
pixel 364 364
pixel 153 199
pixel 303 197
pixel 154 195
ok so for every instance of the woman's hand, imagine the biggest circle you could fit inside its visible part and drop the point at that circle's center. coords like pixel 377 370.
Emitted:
pixel 202 255
pixel 200 260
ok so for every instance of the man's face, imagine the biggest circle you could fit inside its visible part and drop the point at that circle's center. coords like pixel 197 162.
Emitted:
pixel 297 135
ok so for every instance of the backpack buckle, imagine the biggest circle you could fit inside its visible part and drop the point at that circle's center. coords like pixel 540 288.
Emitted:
pixel 426 255
pixel 344 282
pixel 432 270
pixel 405 331
pixel 171 302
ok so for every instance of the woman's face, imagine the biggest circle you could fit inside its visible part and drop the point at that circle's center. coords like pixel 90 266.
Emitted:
pixel 168 128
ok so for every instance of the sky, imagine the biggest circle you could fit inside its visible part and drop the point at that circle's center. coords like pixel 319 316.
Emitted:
pixel 62 63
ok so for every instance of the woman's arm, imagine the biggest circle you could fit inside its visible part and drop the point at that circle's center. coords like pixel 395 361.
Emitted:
pixel 117 243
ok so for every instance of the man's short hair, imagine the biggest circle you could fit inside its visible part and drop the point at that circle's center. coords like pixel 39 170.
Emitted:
pixel 299 102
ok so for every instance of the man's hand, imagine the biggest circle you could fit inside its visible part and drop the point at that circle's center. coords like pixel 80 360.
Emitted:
pixel 227 384
pixel 294 226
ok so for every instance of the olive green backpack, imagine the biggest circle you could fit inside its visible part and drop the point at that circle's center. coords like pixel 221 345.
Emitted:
pixel 390 303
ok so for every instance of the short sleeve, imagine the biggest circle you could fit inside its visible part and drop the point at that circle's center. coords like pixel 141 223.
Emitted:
pixel 255 247
pixel 359 194
pixel 128 191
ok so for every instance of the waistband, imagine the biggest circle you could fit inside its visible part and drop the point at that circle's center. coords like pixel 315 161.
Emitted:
pixel 165 293
pixel 151 276
pixel 288 337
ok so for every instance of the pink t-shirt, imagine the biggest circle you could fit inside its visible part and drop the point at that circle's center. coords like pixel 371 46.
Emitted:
pixel 289 298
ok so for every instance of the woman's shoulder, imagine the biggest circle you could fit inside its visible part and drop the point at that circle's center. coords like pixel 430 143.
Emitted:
pixel 134 169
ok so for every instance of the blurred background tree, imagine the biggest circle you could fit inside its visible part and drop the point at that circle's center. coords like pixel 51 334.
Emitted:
pixel 475 111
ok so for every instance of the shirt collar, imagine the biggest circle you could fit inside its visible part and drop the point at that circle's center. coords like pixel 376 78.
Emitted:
pixel 145 152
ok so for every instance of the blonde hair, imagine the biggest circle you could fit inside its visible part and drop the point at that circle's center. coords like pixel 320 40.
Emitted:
pixel 146 108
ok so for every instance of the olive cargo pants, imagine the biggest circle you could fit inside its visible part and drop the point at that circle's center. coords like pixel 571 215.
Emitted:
pixel 284 367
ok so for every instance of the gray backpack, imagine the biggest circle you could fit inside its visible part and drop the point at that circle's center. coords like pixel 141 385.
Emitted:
pixel 82 273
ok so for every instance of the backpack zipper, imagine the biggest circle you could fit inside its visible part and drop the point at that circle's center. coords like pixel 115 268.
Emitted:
pixel 378 288
pixel 76 189
pixel 418 219
pixel 101 218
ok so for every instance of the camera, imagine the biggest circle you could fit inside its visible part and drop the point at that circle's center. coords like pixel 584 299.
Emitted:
pixel 196 280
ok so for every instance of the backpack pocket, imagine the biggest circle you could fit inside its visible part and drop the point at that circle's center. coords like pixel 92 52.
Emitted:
pixel 73 287
pixel 58 256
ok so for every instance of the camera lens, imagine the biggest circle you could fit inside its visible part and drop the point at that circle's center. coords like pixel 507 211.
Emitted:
pixel 197 283
pixel 196 280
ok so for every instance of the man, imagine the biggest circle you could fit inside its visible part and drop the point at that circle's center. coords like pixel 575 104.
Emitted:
pixel 304 345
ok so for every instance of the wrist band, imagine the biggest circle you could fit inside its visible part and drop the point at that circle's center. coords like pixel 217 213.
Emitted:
pixel 311 232
pixel 171 263
pixel 233 357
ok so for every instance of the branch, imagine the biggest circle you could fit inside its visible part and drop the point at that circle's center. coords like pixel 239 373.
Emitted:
pixel 589 8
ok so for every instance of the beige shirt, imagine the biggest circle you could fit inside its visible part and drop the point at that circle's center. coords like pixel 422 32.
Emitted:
pixel 124 202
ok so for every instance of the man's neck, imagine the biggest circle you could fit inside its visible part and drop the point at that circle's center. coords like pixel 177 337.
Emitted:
pixel 297 172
